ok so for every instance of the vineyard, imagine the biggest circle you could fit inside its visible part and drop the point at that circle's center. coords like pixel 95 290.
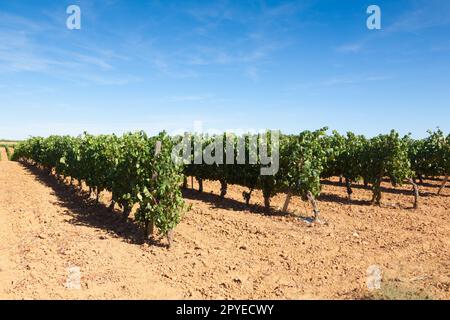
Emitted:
pixel 140 171
pixel 139 224
pixel 225 150
pixel 6 151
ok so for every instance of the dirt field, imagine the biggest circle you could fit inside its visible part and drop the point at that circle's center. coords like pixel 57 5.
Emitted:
pixel 3 154
pixel 222 248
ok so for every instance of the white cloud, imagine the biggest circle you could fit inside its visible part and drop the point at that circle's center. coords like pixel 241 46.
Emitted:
pixel 190 98
pixel 350 48
pixel 26 46
pixel 252 73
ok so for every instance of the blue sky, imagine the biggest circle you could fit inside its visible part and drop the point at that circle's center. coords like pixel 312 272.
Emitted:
pixel 231 65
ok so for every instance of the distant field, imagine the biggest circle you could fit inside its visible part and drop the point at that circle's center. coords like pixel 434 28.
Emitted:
pixel 8 142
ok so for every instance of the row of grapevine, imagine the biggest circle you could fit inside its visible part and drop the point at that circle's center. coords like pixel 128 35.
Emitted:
pixel 135 168
pixel 7 150
pixel 301 161
pixel 310 156
pixel 430 157
pixel 134 171
pixel 356 158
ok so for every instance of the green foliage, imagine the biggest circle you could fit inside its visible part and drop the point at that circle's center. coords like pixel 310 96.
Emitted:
pixel 129 167
pixel 310 156
pixel 386 156
pixel 246 174
pixel 346 157
pixel 160 197
pixel 126 166
pixel 302 160
pixel 430 157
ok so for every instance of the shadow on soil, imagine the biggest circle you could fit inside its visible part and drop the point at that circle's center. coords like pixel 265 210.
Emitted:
pixel 87 212
pixel 328 197
pixel 229 204
pixel 392 190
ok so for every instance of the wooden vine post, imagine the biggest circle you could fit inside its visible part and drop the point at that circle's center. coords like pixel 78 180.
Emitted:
pixel 416 193
pixel 443 184
pixel 247 196
pixel 287 201
pixel 314 205
pixel 348 185
pixel 223 189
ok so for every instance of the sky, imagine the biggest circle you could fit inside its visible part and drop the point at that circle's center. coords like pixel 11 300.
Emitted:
pixel 223 65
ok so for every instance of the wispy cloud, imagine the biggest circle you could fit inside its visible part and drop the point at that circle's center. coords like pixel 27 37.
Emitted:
pixel 355 79
pixel 96 61
pixel 339 81
pixel 350 48
pixel 421 15
pixel 426 14
pixel 262 33
pixel 203 55
pixel 102 79
pixel 26 46
pixel 16 22
pixel 189 98
pixel 252 73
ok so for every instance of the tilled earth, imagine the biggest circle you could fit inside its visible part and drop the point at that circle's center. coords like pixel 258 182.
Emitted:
pixel 223 249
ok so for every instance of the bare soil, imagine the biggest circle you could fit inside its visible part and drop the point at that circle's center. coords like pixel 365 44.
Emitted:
pixel 222 248
pixel 3 154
